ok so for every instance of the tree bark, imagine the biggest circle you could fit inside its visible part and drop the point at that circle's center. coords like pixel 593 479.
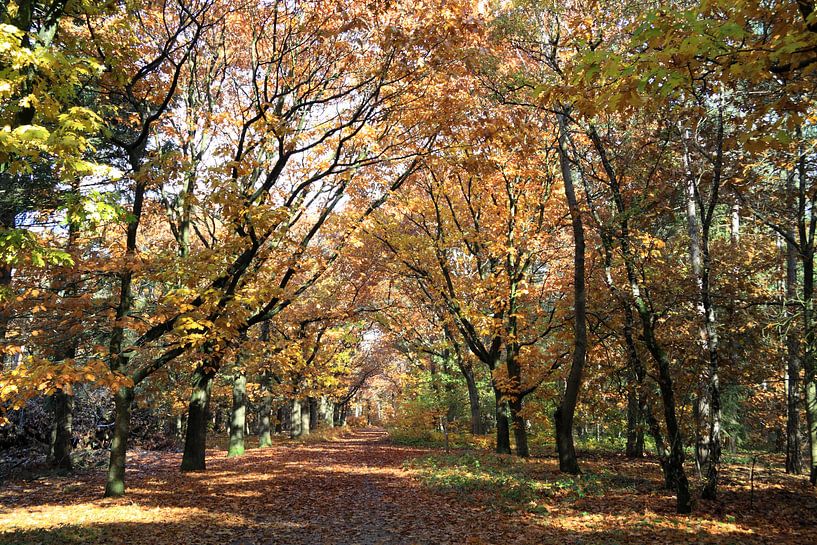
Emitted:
pixel 520 431
pixel 794 461
pixel 296 421
pixel 195 443
pixel 563 417
pixel 306 413
pixel 809 363
pixel 264 417
pixel 702 407
pixel 806 237
pixel 314 418
pixel 239 415
pixel 115 485
pixel 61 431
pixel 503 437
pixel 675 459
pixel 635 430
pixel 473 400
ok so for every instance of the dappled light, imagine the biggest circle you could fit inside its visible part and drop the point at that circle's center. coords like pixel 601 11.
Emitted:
pixel 362 489
pixel 408 272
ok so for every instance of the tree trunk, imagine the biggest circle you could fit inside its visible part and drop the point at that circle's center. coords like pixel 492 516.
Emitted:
pixel 563 417
pixel 61 431
pixel 295 419
pixel 635 417
pixel 265 431
pixel 328 412
pixel 637 406
pixel 503 437
pixel 280 417
pixel 344 409
pixel 306 413
pixel 179 426
pixel 314 418
pixel 115 485
pixel 239 415
pixel 794 462
pixel 195 441
pixel 473 400
pixel 660 447
pixel 809 363
pixel 520 431
pixel 675 459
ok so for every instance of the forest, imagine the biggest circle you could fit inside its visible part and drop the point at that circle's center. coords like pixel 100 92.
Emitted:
pixel 408 272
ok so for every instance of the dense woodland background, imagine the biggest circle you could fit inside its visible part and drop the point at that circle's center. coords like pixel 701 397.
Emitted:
pixel 538 223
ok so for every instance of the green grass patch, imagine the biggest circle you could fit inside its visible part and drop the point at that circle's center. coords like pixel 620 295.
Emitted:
pixel 512 482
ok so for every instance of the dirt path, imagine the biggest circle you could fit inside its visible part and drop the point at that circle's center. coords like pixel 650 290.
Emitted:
pixel 345 492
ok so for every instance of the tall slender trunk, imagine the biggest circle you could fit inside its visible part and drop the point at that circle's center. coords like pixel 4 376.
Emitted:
pixel 714 433
pixel 120 358
pixel 195 442
pixel 675 459
pixel 708 449
pixel 66 283
pixel 809 363
pixel 239 414
pixel 702 402
pixel 806 227
pixel 794 461
pixel 563 417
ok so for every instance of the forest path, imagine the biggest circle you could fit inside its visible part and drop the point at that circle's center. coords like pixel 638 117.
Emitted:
pixel 348 491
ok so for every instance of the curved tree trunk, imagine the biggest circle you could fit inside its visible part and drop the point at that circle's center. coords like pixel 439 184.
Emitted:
pixel 563 417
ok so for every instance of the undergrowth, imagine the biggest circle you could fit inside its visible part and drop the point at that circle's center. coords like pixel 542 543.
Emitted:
pixel 511 482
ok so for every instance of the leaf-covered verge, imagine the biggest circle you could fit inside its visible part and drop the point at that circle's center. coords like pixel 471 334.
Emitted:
pixel 617 500
pixel 358 488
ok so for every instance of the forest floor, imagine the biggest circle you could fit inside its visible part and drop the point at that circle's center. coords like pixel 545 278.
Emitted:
pixel 362 489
